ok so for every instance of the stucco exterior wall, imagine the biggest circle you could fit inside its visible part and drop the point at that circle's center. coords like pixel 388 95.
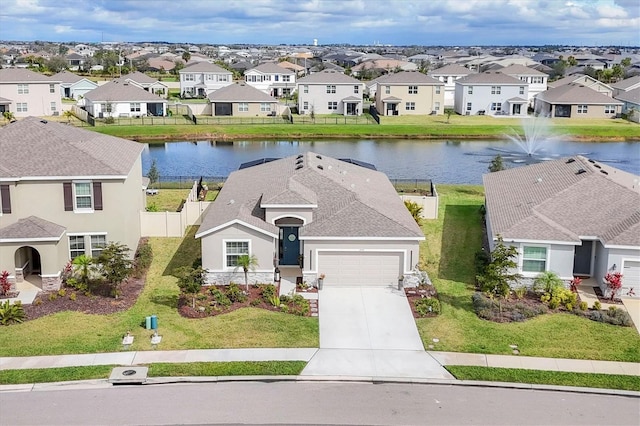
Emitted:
pixel 482 98
pixel 39 99
pixel 318 98
pixel 426 101
pixel 272 214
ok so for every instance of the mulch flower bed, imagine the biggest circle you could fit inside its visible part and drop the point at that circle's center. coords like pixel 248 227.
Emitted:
pixel 415 294
pixel 206 304
pixel 50 302
pixel 9 294
pixel 603 299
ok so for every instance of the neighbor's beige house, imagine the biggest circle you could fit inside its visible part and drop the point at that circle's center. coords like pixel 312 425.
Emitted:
pixel 24 93
pixel 409 93
pixel 576 101
pixel 64 192
pixel 242 100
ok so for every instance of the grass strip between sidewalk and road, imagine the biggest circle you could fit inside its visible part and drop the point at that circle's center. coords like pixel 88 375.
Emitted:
pixel 233 368
pixel 540 377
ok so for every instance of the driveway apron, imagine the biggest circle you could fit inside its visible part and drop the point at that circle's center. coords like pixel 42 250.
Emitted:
pixel 370 332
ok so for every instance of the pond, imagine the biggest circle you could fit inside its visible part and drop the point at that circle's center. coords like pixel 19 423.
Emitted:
pixel 443 161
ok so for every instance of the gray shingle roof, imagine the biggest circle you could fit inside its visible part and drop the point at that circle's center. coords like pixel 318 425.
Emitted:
pixel 67 77
pixel 121 92
pixel 451 69
pixel 627 83
pixel 272 68
pixel 489 77
pixel 206 67
pixel 409 77
pixel 137 77
pixel 551 201
pixel 20 75
pixel 240 92
pixel 32 228
pixel 576 93
pixel 328 77
pixel 517 69
pixel 33 147
pixel 632 96
pixel 352 201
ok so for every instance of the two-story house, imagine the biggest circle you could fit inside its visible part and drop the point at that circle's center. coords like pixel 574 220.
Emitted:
pixel 491 93
pixel 64 192
pixel 448 74
pixel 536 80
pixel 409 93
pixel 123 99
pixel 272 79
pixel 26 93
pixel 202 78
pixel 330 92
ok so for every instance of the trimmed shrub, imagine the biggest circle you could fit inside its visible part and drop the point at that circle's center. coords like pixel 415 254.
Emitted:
pixel 597 305
pixel 267 291
pixel 427 306
pixel 220 298
pixel 11 313
pixel 235 293
pixel 583 306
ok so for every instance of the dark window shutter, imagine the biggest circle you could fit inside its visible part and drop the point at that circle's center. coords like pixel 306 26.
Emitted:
pixel 68 196
pixel 6 199
pixel 97 195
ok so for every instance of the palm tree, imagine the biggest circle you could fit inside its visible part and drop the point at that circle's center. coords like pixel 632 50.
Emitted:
pixel 415 209
pixel 248 262
pixel 68 114
pixel 8 115
pixel 83 262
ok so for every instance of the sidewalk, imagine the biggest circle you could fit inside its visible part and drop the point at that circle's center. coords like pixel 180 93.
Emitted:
pixel 306 354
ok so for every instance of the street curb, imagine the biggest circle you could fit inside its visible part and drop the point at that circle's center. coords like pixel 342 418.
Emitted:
pixel 103 383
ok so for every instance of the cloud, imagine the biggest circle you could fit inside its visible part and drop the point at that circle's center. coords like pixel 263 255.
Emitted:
pixel 408 22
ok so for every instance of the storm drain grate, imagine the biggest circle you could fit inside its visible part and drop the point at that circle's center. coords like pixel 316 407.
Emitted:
pixel 128 375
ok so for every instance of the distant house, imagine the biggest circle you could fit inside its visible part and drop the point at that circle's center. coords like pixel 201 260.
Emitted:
pixel 536 80
pixel 583 80
pixel 626 85
pixel 65 192
pixel 573 216
pixel 310 216
pixel 330 92
pixel 116 99
pixel 241 99
pixel 271 79
pixel 145 82
pixel 576 101
pixel 409 93
pixel 448 75
pixel 75 60
pixel 73 86
pixel 491 93
pixel 382 66
pixel 202 78
pixel 28 93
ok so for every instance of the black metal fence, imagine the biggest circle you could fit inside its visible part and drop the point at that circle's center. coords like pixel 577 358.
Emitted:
pixel 186 182
pixel 414 186
pixel 374 113
pixel 334 119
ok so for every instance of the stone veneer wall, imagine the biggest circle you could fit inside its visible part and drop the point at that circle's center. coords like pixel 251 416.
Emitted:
pixel 528 283
pixel 51 283
pixel 410 280
pixel 226 278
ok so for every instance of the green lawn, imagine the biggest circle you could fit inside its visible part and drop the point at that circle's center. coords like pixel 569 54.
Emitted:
pixel 448 254
pixel 170 199
pixel 558 378
pixel 249 368
pixel 75 332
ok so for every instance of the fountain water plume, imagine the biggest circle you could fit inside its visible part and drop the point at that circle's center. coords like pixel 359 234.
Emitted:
pixel 536 134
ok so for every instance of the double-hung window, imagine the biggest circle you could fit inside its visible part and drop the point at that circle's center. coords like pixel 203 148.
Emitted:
pixel 305 105
pixel 243 107
pixel 305 88
pixel 470 90
pixel 21 107
pixel 534 259
pixel 233 250
pixel 52 88
pixel 609 109
pixel 582 109
pixel 23 89
pixel 413 90
pixel 265 107
pixel 496 90
pixel 331 89
pixel 356 89
pixel 135 107
pixel 387 90
pixel 82 195
pixel 76 246
pixel 437 90
pixel 332 105
pixel 98 243
pixel 496 106
pixel 410 106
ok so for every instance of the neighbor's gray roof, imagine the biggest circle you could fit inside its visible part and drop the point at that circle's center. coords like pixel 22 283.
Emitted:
pixel 328 77
pixel 627 82
pixel 574 93
pixel 4 101
pixel 68 77
pixel 632 96
pixel 489 77
pixel 517 69
pixel 137 77
pixel 205 66
pixel 121 92
pixel 451 69
pixel 271 68
pixel 352 201
pixel 551 201
pixel 240 92
pixel 32 228
pixel 408 77
pixel 21 75
pixel 34 147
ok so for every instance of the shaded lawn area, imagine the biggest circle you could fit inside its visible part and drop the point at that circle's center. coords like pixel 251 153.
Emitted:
pixel 170 199
pixel 448 254
pixel 539 377
pixel 234 368
pixel 76 332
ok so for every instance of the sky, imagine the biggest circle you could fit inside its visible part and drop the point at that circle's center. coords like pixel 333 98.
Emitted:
pixel 358 22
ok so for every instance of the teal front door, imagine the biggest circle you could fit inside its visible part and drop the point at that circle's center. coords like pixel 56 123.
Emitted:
pixel 289 245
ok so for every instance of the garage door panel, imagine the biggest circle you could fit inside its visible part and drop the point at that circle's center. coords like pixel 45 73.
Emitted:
pixel 360 268
pixel 631 274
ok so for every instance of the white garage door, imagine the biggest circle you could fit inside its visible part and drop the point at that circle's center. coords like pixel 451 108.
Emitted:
pixel 360 268
pixel 631 275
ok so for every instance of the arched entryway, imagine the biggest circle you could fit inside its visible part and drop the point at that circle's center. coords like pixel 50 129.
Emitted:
pixel 289 245
pixel 28 265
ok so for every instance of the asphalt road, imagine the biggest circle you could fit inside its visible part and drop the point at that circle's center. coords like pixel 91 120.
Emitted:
pixel 313 403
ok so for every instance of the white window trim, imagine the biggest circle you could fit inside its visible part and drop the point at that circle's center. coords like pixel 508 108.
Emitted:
pixel 521 259
pixel 224 251
pixel 84 240
pixel 77 209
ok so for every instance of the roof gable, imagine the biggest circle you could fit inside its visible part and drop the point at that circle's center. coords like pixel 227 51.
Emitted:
pixel 240 92
pixel 328 77
pixel 121 92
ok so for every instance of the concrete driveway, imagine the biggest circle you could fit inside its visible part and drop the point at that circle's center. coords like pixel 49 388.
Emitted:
pixel 370 332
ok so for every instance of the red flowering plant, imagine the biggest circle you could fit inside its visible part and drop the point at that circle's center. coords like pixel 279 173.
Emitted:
pixel 5 285
pixel 614 282
pixel 574 283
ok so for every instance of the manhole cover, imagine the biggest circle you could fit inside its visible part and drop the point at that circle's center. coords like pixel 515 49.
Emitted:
pixel 128 372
